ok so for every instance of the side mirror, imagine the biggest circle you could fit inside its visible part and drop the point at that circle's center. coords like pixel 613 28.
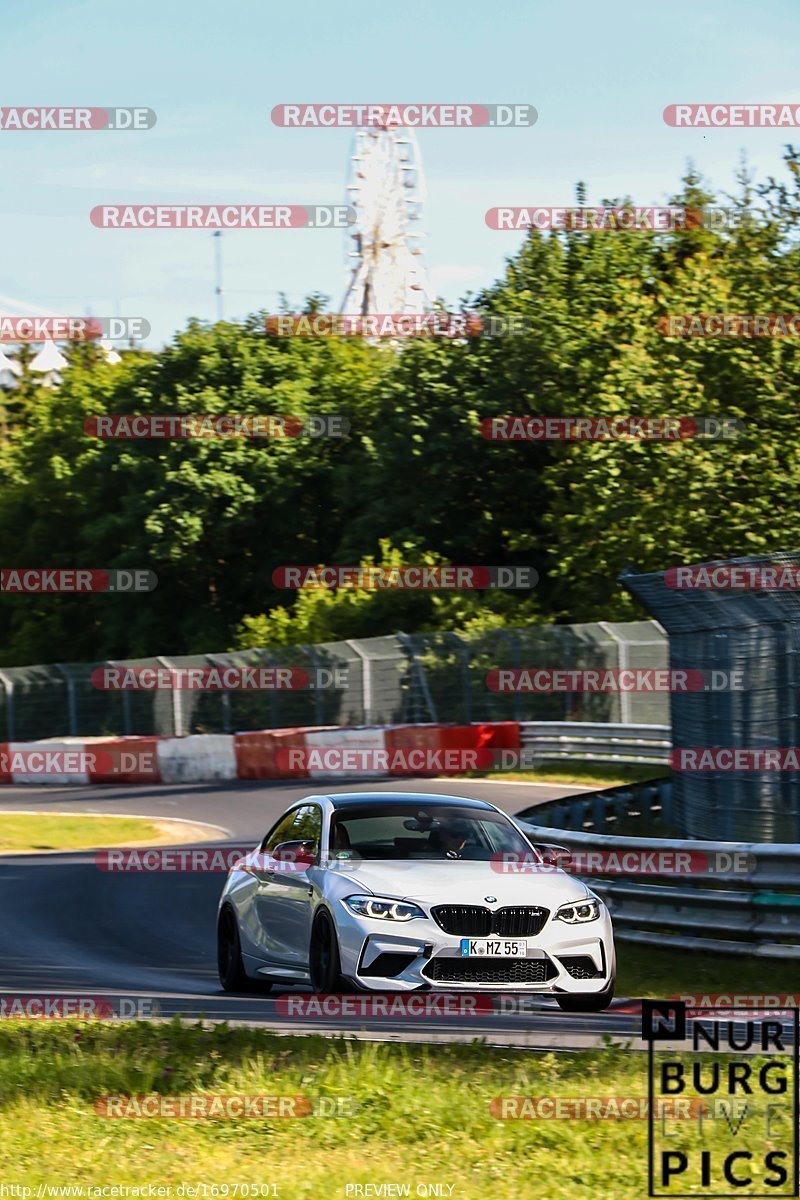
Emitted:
pixel 298 854
pixel 553 855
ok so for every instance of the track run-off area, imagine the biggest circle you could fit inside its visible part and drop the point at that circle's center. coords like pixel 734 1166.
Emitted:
pixel 145 942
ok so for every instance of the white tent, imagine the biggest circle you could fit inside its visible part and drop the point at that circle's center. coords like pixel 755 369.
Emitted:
pixel 10 371
pixel 49 363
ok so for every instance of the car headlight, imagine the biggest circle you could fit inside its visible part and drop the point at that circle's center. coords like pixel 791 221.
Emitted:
pixel 576 914
pixel 383 909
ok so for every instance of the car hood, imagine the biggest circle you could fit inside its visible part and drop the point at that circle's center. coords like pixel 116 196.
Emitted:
pixel 462 882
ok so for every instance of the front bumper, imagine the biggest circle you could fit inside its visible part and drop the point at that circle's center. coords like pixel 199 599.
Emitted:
pixel 561 958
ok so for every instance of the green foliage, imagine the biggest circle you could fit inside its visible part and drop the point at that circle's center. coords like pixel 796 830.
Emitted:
pixel 414 481
pixel 323 614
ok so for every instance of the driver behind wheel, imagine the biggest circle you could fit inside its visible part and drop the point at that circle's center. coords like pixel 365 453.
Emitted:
pixel 449 839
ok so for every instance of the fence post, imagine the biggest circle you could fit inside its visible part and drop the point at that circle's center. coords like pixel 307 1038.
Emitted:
pixel 224 695
pixel 366 680
pixel 311 652
pixel 72 708
pixel 177 702
pixel 466 677
pixel 8 686
pixel 623 662
pixel 418 676
pixel 512 636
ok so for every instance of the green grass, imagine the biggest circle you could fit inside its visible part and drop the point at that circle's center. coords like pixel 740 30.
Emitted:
pixel 423 1114
pixel 57 832
pixel 657 971
pixel 419 1115
pixel 584 773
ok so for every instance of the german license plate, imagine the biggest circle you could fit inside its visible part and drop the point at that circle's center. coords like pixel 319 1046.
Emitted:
pixel 493 948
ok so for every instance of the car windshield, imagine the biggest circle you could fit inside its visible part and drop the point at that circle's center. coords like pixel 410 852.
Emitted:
pixel 402 831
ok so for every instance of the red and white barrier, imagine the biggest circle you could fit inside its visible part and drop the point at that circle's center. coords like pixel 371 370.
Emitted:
pixel 198 758
pixel 132 760
pixel 334 746
pixel 264 753
pixel 45 762
pixel 323 753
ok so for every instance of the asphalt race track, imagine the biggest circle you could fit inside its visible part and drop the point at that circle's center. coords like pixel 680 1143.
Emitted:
pixel 70 929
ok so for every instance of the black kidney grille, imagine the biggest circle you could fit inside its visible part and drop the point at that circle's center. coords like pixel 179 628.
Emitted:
pixel 463 920
pixel 519 922
pixel 489 970
pixel 469 920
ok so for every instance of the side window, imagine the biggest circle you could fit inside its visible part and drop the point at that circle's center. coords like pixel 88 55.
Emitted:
pixel 281 832
pixel 307 825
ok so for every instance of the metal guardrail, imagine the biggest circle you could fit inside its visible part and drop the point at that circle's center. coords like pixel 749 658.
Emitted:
pixel 607 742
pixel 724 911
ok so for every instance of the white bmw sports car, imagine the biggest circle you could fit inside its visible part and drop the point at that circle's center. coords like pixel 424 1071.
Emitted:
pixel 400 892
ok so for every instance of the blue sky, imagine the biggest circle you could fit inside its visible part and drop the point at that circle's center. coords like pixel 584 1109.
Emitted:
pixel 599 75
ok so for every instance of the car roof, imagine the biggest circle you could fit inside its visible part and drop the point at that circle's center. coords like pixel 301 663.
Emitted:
pixel 412 799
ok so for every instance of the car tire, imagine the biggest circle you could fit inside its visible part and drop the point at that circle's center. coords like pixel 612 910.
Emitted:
pixel 588 1001
pixel 230 966
pixel 325 964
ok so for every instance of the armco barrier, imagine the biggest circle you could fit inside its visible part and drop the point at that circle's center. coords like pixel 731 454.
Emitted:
pixel 612 743
pixel 755 910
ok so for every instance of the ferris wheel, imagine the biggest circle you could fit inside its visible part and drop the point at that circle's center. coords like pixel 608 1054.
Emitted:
pixel 386 187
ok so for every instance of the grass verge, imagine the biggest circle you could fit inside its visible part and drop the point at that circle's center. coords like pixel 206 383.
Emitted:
pixel 423 1115
pixel 584 773
pixel 24 832
pixel 662 972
